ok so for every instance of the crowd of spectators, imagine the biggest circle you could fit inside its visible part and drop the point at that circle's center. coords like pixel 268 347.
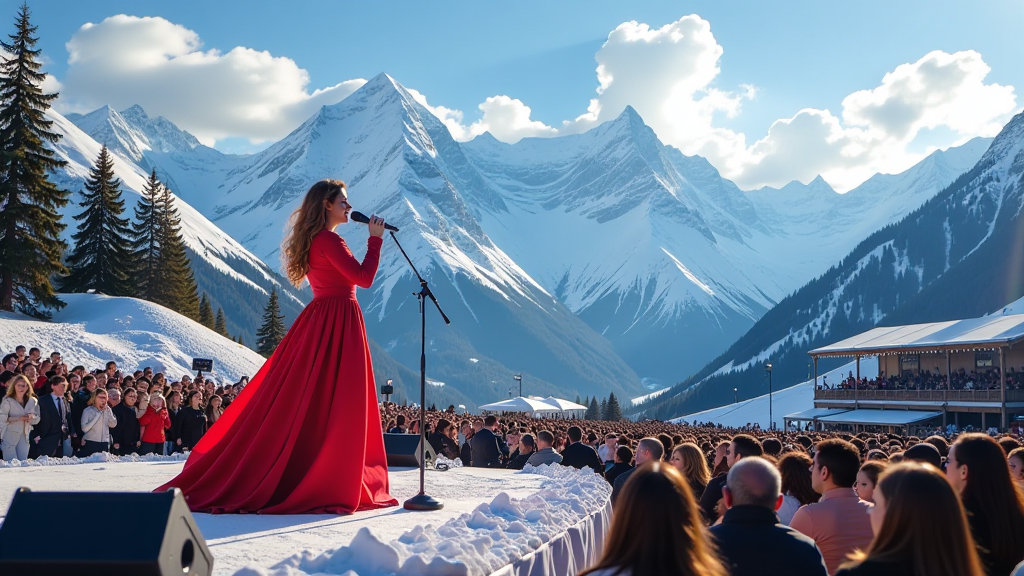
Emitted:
pixel 687 499
pixel 987 379
pixel 51 409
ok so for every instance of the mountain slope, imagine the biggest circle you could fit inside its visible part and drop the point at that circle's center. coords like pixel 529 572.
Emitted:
pixel 956 256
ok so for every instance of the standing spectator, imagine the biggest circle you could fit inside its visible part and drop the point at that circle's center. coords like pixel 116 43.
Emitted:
pixel 578 455
pixel 920 528
pixel 126 435
pixel 154 422
pixel 190 424
pixel 838 522
pixel 621 464
pixel 441 441
pixel 78 404
pixel 656 528
pixel 7 368
pixel 607 450
pixel 795 469
pixel 688 459
pixel 1015 460
pixel 486 446
pixel 47 437
pixel 173 407
pixel 977 469
pixel 742 446
pixel 97 420
pixel 750 538
pixel 647 450
pixel 113 397
pixel 19 412
pixel 545 453
pixel 526 448
pixel 213 411
pixel 867 479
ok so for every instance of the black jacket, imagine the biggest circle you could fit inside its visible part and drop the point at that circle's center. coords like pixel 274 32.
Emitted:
pixel 49 430
pixel 619 482
pixel 615 471
pixel 752 542
pixel 487 449
pixel 78 405
pixel 877 568
pixel 579 455
pixel 443 445
pixel 127 431
pixel 709 499
pixel 466 453
pixel 189 426
pixel 519 461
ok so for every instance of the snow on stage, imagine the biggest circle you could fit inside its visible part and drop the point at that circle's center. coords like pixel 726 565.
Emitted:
pixel 542 521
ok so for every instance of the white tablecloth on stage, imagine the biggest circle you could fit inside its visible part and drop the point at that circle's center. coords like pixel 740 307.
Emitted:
pixel 572 551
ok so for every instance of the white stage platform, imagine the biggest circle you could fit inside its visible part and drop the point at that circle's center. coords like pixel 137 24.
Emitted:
pixel 549 521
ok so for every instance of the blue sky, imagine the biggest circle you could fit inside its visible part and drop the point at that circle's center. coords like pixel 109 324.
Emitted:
pixel 795 55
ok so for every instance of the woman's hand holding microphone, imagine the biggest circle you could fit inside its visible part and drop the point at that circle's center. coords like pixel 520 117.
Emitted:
pixel 376 226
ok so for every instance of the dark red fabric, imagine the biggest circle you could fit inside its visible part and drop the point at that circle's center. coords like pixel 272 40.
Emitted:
pixel 304 436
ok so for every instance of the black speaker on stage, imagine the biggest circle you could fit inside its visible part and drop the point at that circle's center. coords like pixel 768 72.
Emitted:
pixel 63 533
pixel 404 450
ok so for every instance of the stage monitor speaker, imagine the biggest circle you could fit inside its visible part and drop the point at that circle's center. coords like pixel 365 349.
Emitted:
pixel 404 450
pixel 67 533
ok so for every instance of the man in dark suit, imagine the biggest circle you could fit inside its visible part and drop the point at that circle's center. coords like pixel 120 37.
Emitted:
pixel 577 454
pixel 487 447
pixel 750 538
pixel 48 436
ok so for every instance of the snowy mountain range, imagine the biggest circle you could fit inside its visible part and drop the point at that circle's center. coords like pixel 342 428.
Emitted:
pixel 956 256
pixel 589 261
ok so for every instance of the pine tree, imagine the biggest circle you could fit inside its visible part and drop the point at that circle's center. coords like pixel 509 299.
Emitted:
pixel 240 341
pixel 604 408
pixel 206 312
pixel 31 249
pixel 146 240
pixel 593 410
pixel 102 258
pixel 272 331
pixel 178 284
pixel 578 400
pixel 614 410
pixel 220 325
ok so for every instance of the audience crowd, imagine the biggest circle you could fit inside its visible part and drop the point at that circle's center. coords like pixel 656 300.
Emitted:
pixel 930 380
pixel 687 499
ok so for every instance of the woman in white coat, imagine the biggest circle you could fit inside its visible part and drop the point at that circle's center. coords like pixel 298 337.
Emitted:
pixel 19 412
pixel 97 420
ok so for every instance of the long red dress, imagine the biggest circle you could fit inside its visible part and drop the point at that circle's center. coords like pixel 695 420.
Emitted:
pixel 304 436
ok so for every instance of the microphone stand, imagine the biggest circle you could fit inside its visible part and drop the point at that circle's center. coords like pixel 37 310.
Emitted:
pixel 421 501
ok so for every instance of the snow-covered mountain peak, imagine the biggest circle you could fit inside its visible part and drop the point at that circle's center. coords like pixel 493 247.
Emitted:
pixel 131 132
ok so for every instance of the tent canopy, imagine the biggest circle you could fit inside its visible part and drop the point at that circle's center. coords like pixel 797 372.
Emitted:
pixel 520 404
pixel 812 413
pixel 985 332
pixel 562 404
pixel 880 417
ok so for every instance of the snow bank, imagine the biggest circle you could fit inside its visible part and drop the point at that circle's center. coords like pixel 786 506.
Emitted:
pixel 94 328
pixel 490 537
pixel 95 458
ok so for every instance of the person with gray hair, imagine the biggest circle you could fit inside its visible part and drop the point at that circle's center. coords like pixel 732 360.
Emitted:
pixel 647 450
pixel 751 540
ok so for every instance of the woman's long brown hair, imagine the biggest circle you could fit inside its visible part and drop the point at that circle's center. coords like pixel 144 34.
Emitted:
pixel 796 477
pixel 657 528
pixel 305 222
pixel 925 525
pixel 695 467
pixel 991 488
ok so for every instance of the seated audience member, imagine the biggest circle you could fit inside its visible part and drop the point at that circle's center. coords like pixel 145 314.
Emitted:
pixel 399 427
pixel 920 528
pixel 750 539
pixel 657 528
pixel 647 450
pixel 741 446
pixel 545 453
pixel 579 455
pixel 466 452
pixel 977 469
pixel 440 440
pixel 924 452
pixel 621 465
pixel 688 459
pixel 797 491
pixel 867 479
pixel 487 447
pixel 838 523
pixel 607 450
pixel 527 445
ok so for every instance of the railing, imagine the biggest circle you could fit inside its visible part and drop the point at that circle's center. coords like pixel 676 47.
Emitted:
pixel 921 395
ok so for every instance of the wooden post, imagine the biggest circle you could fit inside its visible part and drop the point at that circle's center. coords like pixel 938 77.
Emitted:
pixel 858 368
pixel 949 372
pixel 815 372
pixel 1002 389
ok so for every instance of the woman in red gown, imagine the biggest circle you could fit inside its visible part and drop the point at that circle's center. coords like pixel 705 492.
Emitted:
pixel 304 436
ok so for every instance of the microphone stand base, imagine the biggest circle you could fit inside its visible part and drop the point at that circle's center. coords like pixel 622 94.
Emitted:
pixel 421 502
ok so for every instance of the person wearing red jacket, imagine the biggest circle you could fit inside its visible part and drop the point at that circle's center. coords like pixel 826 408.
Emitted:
pixel 154 421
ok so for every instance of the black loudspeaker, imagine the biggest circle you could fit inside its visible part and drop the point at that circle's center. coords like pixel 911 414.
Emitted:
pixel 404 450
pixel 56 533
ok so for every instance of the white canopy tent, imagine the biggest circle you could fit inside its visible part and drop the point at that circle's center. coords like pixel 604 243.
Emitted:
pixel 520 404
pixel 564 405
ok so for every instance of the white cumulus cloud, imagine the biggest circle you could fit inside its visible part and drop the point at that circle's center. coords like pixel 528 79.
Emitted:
pixel 126 60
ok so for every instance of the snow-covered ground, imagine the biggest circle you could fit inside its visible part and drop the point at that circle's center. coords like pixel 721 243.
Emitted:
pixel 786 401
pixel 93 329
pixel 490 518
pixel 647 397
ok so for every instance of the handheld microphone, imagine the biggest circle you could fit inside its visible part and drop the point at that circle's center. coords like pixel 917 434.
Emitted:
pixel 364 219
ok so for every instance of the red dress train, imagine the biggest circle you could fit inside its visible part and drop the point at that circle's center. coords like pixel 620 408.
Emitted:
pixel 305 435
